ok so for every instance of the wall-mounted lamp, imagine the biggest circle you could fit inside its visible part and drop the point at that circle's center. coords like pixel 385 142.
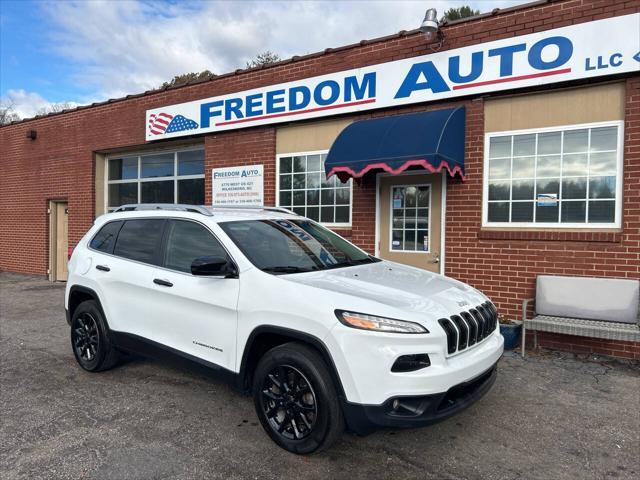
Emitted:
pixel 32 134
pixel 430 23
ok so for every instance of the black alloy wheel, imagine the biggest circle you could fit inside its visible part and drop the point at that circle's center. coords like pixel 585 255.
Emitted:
pixel 296 399
pixel 90 338
pixel 85 337
pixel 289 402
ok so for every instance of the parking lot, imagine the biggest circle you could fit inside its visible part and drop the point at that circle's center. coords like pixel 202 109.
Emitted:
pixel 549 416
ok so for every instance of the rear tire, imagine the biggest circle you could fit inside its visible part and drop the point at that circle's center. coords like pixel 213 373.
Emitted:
pixel 90 339
pixel 296 400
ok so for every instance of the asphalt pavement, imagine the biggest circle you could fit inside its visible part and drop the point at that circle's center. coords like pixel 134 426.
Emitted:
pixel 551 416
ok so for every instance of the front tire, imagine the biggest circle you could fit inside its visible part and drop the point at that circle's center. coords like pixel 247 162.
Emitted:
pixel 90 339
pixel 296 400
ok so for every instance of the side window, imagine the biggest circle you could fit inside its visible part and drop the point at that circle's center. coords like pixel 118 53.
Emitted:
pixel 140 240
pixel 187 241
pixel 105 239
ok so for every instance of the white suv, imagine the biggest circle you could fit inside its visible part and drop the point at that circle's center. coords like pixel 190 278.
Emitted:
pixel 320 332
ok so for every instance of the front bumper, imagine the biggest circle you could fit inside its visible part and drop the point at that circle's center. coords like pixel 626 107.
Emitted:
pixel 364 362
pixel 418 411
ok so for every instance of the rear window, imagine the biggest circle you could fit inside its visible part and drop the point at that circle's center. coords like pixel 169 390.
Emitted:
pixel 105 239
pixel 140 240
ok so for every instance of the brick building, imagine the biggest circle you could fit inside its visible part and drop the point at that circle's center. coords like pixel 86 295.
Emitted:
pixel 548 101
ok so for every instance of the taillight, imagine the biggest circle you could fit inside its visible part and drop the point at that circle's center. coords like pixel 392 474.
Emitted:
pixel 70 251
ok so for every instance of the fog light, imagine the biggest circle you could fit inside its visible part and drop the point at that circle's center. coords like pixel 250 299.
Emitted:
pixel 411 363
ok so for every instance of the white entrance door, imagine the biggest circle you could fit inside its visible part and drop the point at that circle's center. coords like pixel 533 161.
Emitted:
pixel 409 229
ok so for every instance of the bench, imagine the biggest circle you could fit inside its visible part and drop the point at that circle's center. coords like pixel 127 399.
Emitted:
pixel 604 308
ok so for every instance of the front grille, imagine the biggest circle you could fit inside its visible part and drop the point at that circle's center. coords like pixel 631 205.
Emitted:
pixel 469 328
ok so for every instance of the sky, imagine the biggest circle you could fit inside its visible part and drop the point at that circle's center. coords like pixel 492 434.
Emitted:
pixel 86 51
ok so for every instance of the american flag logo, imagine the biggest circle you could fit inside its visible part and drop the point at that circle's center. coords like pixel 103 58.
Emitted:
pixel 165 123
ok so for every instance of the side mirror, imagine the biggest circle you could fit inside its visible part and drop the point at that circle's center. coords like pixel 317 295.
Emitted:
pixel 213 266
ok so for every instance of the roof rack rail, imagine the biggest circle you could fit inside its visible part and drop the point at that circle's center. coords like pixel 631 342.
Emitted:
pixel 133 207
pixel 254 207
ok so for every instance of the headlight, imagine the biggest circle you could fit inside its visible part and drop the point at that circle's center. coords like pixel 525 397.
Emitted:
pixel 378 324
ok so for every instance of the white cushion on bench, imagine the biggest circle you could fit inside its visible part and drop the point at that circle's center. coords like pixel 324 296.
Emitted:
pixel 608 299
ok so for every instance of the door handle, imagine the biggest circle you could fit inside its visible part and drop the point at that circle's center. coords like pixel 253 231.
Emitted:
pixel 103 268
pixel 164 283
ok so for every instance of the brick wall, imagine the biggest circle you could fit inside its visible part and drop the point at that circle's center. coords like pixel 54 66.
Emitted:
pixel 573 344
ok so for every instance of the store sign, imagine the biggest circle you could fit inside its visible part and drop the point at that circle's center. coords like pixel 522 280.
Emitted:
pixel 238 186
pixel 603 47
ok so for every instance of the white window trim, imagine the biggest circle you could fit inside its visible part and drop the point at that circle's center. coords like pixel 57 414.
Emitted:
pixel 314 152
pixel 138 180
pixel 556 225
pixel 411 252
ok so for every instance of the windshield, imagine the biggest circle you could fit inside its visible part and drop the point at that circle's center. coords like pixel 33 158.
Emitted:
pixel 293 246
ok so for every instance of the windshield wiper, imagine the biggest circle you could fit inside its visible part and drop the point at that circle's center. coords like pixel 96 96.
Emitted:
pixel 288 269
pixel 351 263
pixel 367 259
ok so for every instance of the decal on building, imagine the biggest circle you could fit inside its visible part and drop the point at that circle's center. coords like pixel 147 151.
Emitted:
pixel 238 185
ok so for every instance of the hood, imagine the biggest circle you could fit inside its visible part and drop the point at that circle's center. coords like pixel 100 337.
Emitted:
pixel 396 286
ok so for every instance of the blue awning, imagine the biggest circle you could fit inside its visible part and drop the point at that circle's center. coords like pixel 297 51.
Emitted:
pixel 431 140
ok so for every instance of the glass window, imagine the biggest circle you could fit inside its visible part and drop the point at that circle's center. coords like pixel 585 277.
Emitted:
pixel 140 240
pixel 105 239
pixel 157 165
pixel 123 168
pixel 191 191
pixel 547 178
pixel 122 194
pixel 191 162
pixel 187 241
pixel 410 218
pixel 303 188
pixel 157 178
pixel 293 246
pixel 156 192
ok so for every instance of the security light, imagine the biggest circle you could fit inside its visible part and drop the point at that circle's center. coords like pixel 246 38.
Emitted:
pixel 430 23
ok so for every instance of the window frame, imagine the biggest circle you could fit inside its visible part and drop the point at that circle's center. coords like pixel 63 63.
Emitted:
pixel 336 225
pixel 138 180
pixel 556 225
pixel 391 229
pixel 163 243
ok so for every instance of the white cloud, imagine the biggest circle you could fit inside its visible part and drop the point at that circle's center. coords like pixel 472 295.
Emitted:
pixel 24 103
pixel 28 104
pixel 131 46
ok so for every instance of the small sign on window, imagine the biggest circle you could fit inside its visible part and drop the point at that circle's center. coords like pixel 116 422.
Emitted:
pixel 547 199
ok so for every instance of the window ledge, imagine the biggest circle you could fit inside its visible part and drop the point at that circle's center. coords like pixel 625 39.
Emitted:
pixel 598 236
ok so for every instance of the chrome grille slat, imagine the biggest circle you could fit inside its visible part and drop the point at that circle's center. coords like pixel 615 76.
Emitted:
pixel 474 326
pixel 463 331
pixel 487 318
pixel 450 330
pixel 483 325
pixel 470 327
